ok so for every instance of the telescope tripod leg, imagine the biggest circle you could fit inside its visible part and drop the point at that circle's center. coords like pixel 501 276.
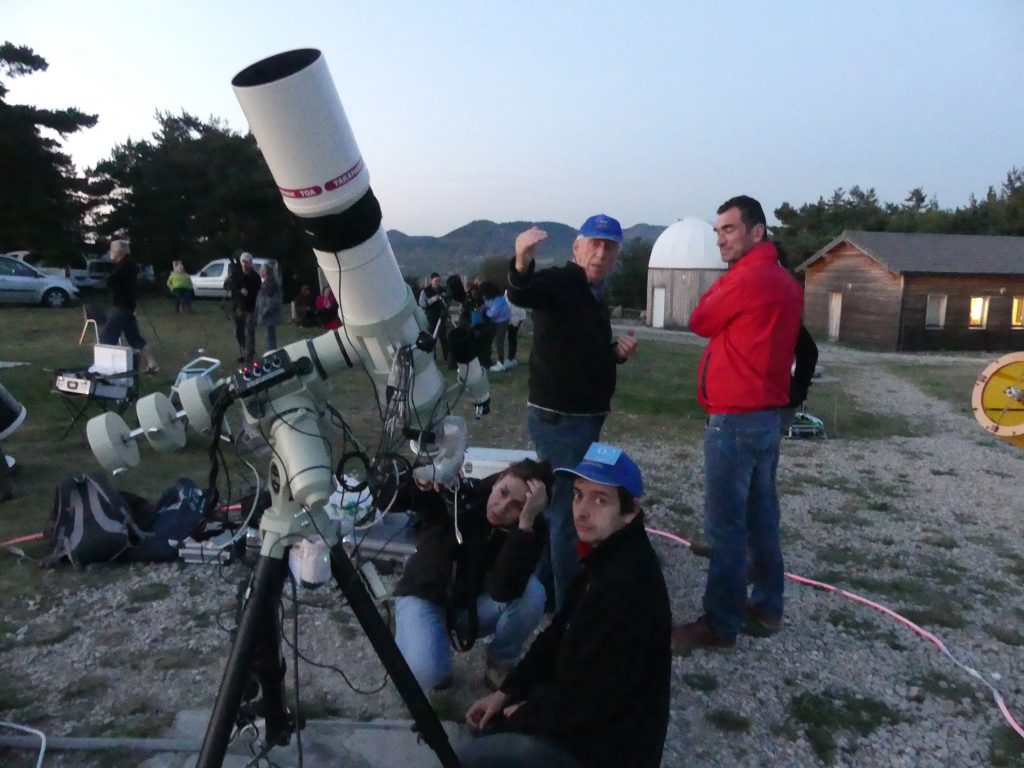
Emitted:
pixel 379 635
pixel 257 648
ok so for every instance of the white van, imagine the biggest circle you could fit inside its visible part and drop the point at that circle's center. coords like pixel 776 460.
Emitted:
pixel 208 282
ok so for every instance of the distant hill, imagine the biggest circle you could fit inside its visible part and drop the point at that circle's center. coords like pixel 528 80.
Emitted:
pixel 464 249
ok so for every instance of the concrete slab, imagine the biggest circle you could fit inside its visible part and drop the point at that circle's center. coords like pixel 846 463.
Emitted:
pixel 325 744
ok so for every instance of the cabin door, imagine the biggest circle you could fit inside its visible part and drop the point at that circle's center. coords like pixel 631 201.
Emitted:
pixel 835 311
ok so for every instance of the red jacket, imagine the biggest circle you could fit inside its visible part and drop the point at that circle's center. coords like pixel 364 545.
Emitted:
pixel 752 316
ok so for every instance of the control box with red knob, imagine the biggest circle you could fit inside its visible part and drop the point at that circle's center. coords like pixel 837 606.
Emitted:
pixel 273 368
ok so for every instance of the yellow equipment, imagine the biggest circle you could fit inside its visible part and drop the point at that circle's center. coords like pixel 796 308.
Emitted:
pixel 998 398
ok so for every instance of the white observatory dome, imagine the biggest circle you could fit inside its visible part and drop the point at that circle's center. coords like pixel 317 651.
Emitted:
pixel 690 243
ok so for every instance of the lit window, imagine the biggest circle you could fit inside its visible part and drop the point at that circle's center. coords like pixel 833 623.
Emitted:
pixel 1017 312
pixel 979 312
pixel 935 316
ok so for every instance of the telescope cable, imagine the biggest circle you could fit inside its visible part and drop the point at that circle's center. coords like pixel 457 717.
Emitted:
pixel 930 637
pixel 34 732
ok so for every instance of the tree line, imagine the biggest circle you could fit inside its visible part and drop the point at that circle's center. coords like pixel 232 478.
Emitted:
pixel 196 190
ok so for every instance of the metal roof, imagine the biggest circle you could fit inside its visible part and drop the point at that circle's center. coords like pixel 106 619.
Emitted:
pixel 917 252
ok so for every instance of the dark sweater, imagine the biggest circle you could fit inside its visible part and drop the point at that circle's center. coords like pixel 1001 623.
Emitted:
pixel 238 280
pixel 572 365
pixel 122 284
pixel 596 681
pixel 497 561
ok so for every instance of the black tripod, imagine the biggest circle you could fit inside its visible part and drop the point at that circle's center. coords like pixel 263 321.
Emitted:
pixel 257 646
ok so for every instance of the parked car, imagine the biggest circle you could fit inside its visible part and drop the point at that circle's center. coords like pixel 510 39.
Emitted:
pixel 82 271
pixel 21 283
pixel 208 282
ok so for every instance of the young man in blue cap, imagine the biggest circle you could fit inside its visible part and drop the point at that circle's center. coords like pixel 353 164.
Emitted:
pixel 572 367
pixel 593 690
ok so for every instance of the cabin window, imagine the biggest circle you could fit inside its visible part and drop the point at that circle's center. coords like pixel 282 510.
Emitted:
pixel 979 312
pixel 935 317
pixel 1017 312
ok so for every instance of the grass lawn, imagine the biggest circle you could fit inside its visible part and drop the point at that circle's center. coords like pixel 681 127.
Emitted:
pixel 654 402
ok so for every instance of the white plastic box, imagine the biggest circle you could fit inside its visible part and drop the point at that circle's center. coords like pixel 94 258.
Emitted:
pixel 483 462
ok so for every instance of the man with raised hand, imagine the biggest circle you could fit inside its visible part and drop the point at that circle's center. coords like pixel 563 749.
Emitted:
pixel 593 690
pixel 572 367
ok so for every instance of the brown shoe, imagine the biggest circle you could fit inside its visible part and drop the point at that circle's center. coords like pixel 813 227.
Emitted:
pixel 700 549
pixel 698 634
pixel 757 623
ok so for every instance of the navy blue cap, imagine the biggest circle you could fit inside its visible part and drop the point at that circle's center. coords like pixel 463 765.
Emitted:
pixel 603 227
pixel 608 465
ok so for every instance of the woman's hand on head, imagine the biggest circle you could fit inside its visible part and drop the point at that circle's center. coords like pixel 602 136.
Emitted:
pixel 536 501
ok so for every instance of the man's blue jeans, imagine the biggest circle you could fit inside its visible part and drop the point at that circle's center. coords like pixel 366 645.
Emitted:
pixel 741 509
pixel 421 636
pixel 561 440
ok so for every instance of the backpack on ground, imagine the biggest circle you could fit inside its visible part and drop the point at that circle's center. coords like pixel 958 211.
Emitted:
pixel 178 511
pixel 92 522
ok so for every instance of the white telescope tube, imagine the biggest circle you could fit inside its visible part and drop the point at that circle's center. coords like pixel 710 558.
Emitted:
pixel 297 118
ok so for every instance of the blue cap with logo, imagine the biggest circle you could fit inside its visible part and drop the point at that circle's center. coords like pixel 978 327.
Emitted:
pixel 608 465
pixel 603 227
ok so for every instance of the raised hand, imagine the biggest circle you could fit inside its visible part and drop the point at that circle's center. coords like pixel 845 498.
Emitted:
pixel 526 244
pixel 536 501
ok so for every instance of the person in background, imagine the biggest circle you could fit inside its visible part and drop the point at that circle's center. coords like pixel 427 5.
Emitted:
pixel 457 590
pixel 593 690
pixel 268 305
pixel 180 285
pixel 497 312
pixel 327 309
pixel 302 306
pixel 123 284
pixel 244 285
pixel 751 316
pixel 573 367
pixel 433 301
pixel 481 326
pixel 516 318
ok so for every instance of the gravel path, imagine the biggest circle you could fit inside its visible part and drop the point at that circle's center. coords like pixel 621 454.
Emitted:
pixel 929 525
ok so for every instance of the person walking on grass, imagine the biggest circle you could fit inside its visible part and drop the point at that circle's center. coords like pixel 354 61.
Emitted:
pixel 516 318
pixel 180 286
pixel 268 305
pixel 433 300
pixel 244 285
pixel 497 311
pixel 123 285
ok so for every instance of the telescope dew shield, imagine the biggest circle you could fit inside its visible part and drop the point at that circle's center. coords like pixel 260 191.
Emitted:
pixel 998 398
pixel 294 111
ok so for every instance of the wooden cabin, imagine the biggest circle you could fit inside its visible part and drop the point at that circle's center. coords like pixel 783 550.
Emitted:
pixel 894 291
pixel 684 263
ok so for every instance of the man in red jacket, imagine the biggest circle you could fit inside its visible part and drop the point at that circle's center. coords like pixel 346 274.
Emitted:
pixel 752 317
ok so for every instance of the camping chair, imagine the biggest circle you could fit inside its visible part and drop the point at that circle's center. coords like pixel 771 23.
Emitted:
pixel 111 381
pixel 94 315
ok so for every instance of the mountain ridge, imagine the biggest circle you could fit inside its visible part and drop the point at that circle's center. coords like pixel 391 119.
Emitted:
pixel 465 248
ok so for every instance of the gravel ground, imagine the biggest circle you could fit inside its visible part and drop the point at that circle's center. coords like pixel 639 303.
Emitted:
pixel 930 526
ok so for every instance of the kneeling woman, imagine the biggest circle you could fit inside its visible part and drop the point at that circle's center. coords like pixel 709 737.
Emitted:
pixel 452 593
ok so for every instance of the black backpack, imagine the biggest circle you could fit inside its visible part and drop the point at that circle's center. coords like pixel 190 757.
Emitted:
pixel 178 512
pixel 92 522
